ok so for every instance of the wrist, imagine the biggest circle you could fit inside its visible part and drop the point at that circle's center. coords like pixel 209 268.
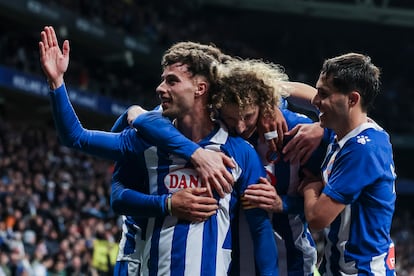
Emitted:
pixel 196 157
pixel 55 84
pixel 168 204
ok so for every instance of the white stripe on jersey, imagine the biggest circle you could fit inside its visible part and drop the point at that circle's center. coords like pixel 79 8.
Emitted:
pixel 151 160
pixel 377 265
pixel 166 238
pixel 223 258
pixel 194 250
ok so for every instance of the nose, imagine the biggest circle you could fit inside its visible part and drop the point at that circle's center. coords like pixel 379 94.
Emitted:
pixel 241 126
pixel 315 100
pixel 160 88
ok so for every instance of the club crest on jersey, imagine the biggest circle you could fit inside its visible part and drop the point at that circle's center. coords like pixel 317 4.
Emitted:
pixel 182 179
pixel 363 139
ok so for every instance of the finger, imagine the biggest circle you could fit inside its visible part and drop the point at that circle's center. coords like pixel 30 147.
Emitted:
pixel 199 191
pixel 270 135
pixel 65 48
pixel 289 150
pixel 306 157
pixel 291 144
pixel 272 144
pixel 296 156
pixel 203 216
pixel 257 200
pixel 281 129
pixel 271 138
pixel 264 180
pixel 247 204
pixel 227 161
pixel 279 142
pixel 293 131
pixel 261 190
pixel 217 187
pixel 53 37
pixel 208 187
pixel 207 208
pixel 228 181
pixel 41 50
pixel 49 36
pixel 43 37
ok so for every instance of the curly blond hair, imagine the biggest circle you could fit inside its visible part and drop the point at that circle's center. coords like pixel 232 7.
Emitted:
pixel 249 82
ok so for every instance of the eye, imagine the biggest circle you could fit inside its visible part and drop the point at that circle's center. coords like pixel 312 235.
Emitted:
pixel 248 117
pixel 171 80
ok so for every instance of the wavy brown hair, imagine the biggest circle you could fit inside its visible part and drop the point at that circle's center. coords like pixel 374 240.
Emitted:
pixel 201 59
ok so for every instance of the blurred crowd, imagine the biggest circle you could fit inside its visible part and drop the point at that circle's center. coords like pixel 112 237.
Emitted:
pixel 163 23
pixel 55 217
pixel 54 206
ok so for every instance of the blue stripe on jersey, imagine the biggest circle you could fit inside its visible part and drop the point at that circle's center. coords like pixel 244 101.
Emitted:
pixel 179 245
pixel 210 238
pixel 333 240
pixel 153 261
pixel 294 258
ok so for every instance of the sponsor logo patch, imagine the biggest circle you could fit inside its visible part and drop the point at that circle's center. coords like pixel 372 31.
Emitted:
pixel 182 179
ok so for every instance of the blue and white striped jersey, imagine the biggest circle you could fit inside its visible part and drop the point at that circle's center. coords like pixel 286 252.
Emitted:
pixel 296 248
pixel 163 245
pixel 359 173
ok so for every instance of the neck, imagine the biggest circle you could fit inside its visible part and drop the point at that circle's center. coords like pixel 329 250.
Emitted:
pixel 351 124
pixel 195 126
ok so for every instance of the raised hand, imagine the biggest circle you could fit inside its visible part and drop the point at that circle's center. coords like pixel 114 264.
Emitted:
pixel 53 60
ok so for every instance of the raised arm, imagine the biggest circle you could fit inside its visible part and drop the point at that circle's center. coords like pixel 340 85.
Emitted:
pixel 54 62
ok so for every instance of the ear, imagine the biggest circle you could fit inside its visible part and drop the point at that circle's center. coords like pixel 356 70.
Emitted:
pixel 354 98
pixel 202 88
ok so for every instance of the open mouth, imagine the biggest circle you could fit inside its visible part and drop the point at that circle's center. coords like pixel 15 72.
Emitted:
pixel 165 103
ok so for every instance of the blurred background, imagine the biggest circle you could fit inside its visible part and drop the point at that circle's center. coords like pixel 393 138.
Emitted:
pixel 55 217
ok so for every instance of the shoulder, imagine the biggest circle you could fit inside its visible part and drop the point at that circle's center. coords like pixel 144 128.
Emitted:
pixel 369 139
pixel 239 144
pixel 368 145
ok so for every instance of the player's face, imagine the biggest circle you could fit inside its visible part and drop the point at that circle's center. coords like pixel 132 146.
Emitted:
pixel 176 90
pixel 332 104
pixel 241 122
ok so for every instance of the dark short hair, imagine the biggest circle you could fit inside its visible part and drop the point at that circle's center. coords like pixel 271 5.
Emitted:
pixel 354 72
